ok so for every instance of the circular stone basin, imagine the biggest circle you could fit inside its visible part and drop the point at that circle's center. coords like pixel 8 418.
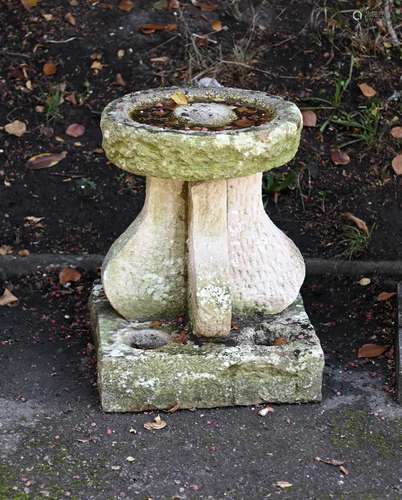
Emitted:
pixel 204 114
pixel 194 155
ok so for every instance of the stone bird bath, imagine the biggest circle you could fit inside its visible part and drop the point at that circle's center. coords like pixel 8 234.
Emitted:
pixel 203 246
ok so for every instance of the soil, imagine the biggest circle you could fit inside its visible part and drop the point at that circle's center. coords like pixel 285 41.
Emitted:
pixel 296 49
pixel 56 443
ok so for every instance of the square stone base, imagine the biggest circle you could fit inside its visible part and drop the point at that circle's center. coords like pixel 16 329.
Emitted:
pixel 142 366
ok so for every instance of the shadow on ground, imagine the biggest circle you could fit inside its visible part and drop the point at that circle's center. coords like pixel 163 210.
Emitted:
pixel 56 443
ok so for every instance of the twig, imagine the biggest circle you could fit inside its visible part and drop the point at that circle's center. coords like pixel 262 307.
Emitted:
pixel 16 54
pixel 62 41
pixel 388 23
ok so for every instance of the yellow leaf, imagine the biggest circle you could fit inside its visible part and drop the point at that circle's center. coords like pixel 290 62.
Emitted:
pixel 179 98
pixel 29 4
pixel 217 25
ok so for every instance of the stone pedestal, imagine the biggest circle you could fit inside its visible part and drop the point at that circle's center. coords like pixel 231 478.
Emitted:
pixel 143 366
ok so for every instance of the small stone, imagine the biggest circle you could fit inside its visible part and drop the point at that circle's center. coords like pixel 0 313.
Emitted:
pixel 204 114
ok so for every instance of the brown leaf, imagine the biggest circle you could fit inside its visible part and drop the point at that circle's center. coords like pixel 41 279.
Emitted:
pixel 397 164
pixel 120 80
pixel 29 4
pixel 49 68
pixel 280 341
pixel 174 408
pixel 156 425
pixel 16 128
pixel 344 470
pixel 360 224
pixel 126 5
pixel 179 98
pixel 45 160
pixel 148 29
pixel 70 19
pixel 339 157
pixel 243 122
pixel 173 5
pixel 23 253
pixel 217 25
pixel 384 296
pixel 396 132
pixel 206 6
pixel 366 90
pixel 5 250
pixel 330 461
pixel 69 275
pixel 371 350
pixel 309 118
pixel 75 130
pixel 8 299
pixel 96 66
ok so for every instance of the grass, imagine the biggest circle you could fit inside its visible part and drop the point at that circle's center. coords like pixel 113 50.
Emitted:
pixel 355 241
pixel 53 102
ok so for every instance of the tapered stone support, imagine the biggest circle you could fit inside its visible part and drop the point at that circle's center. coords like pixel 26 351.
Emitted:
pixel 266 268
pixel 144 272
pixel 208 268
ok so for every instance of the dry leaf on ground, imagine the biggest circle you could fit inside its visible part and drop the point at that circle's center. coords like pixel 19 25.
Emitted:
pixel 126 5
pixel 75 130
pixel 396 132
pixel 156 424
pixel 364 281
pixel 69 275
pixel 284 484
pixel 264 411
pixel 29 4
pixel 8 299
pixel 309 118
pixel 339 157
pixel 70 19
pixel 371 350
pixel 179 98
pixel 330 461
pixel 217 25
pixel 397 164
pixel 16 128
pixel 148 29
pixel 45 160
pixel 384 296
pixel 49 69
pixel 367 90
pixel 280 341
pixel 360 224
pixel 6 250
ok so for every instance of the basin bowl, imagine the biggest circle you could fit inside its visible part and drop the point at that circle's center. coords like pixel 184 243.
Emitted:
pixel 194 155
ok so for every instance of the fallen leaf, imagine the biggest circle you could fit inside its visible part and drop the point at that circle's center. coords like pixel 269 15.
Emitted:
pixel 121 53
pixel 179 98
pixel 8 299
pixel 126 5
pixel 243 122
pixel 45 160
pixel 155 425
pixel 5 250
pixel 29 4
pixel 174 408
pixel 173 5
pixel 31 220
pixel 264 411
pixel 96 66
pixel 47 17
pixel 75 130
pixel 397 164
pixel 130 459
pixel 23 253
pixel 364 281
pixel 366 90
pixel 205 6
pixel 217 25
pixel 284 484
pixel 360 224
pixel 120 80
pixel 49 69
pixel 396 132
pixel 384 296
pixel 344 470
pixel 70 19
pixel 280 341
pixel 16 128
pixel 148 29
pixel 309 118
pixel 161 59
pixel 371 350
pixel 69 275
pixel 330 461
pixel 339 157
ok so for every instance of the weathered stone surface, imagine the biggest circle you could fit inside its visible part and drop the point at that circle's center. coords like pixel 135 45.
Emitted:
pixel 204 114
pixel 208 263
pixel 244 369
pixel 144 271
pixel 194 155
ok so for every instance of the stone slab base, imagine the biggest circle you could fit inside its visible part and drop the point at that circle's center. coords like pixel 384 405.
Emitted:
pixel 142 366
